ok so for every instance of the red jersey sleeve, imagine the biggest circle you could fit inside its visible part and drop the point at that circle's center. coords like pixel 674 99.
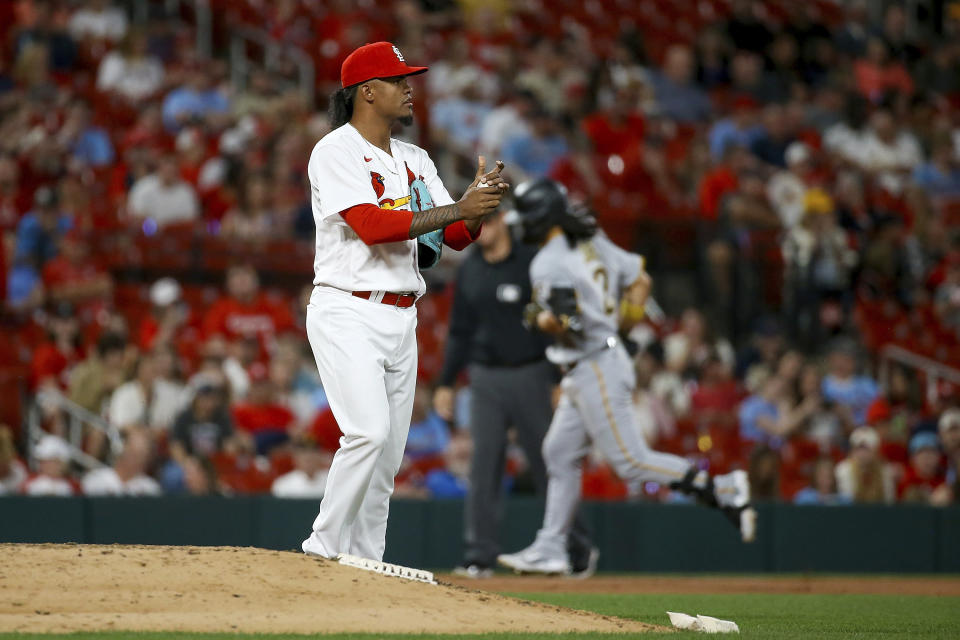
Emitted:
pixel 376 226
pixel 458 237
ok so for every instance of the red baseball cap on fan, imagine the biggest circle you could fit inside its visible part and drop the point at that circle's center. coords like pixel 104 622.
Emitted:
pixel 377 60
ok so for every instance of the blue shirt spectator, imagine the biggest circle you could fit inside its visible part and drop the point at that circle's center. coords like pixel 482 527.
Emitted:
pixel 93 147
pixel 940 176
pixel 730 132
pixel 685 103
pixel 752 408
pixel 192 101
pixel 39 230
pixel 460 119
pixel 536 152
pixel 428 437
pixel 842 387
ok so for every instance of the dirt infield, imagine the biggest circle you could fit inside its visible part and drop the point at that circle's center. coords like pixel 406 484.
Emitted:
pixel 918 586
pixel 63 588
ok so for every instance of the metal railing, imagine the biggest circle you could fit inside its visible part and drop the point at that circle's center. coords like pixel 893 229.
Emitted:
pixel 934 371
pixel 77 417
pixel 274 53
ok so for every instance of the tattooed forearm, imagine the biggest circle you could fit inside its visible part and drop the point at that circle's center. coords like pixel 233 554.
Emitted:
pixel 433 219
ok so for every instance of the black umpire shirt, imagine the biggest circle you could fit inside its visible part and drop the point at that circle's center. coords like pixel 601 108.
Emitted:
pixel 486 321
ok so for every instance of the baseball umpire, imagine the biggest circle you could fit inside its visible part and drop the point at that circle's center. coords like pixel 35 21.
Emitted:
pixel 382 213
pixel 585 290
pixel 511 385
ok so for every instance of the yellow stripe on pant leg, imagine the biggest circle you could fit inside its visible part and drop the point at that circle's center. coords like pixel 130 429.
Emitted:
pixel 616 431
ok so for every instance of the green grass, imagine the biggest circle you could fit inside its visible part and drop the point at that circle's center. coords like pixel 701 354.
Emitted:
pixel 768 616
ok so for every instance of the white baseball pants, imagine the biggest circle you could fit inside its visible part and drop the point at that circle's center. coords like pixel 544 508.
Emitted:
pixel 366 353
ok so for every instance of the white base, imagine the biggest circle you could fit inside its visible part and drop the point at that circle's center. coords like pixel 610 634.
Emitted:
pixel 385 568
pixel 705 624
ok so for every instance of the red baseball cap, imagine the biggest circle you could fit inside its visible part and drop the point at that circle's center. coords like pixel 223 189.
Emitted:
pixel 377 60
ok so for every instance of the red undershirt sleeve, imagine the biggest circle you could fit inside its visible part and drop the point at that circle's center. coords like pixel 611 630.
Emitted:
pixel 376 226
pixel 458 237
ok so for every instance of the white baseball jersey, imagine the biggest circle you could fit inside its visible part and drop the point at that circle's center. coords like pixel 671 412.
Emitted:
pixel 345 170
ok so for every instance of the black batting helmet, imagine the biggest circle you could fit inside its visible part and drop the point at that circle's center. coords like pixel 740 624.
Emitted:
pixel 542 204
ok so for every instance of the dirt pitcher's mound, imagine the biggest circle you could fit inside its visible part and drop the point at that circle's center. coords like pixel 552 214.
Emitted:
pixel 62 588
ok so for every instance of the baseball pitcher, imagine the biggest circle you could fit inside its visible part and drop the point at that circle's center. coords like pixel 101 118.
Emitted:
pixel 381 213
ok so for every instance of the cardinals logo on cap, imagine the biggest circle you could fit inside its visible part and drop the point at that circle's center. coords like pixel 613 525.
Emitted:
pixel 399 55
pixel 377 181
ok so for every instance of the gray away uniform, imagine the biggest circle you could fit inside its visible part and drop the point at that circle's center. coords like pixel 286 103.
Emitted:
pixel 596 405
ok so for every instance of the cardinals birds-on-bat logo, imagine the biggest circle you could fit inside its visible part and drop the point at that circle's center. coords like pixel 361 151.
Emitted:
pixel 377 181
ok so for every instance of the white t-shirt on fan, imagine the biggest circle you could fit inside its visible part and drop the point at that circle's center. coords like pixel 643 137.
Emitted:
pixel 345 170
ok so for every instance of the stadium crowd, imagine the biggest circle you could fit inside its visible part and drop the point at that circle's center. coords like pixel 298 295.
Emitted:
pixel 791 170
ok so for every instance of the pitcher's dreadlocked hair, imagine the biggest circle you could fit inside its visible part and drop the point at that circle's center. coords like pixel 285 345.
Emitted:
pixel 341 106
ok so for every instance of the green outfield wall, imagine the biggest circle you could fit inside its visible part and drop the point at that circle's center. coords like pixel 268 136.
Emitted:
pixel 631 537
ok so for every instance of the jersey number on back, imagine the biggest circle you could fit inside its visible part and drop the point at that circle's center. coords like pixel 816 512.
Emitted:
pixel 600 276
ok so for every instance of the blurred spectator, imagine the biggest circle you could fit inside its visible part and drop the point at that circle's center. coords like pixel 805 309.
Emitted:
pixel 130 71
pixel 688 348
pixel 940 176
pixel 764 473
pixel 13 199
pixel 261 415
pixel 619 129
pixel 455 125
pixel 851 37
pixel 939 72
pixel 876 74
pixel 45 32
pixel 772 415
pixel 678 96
pixel 308 479
pixel 429 434
pixel 451 480
pixel 24 286
pixel 897 410
pixel 75 277
pixel 89 143
pixel 163 196
pixel 654 412
pixel 863 476
pixel 94 380
pixel 97 20
pixel 716 395
pixel 146 400
pixel 507 121
pixel 169 315
pixel 746 26
pixel 888 150
pixel 924 474
pixel 13 473
pixel 949 430
pixel 200 477
pixel 823 486
pixel 741 128
pixel 246 312
pixel 254 218
pixel 204 427
pixel 39 230
pixel 50 479
pixel 817 270
pixel 533 155
pixel 775 136
pixel 128 475
pixel 194 101
pixel 852 393
pixel 53 358
pixel 758 359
